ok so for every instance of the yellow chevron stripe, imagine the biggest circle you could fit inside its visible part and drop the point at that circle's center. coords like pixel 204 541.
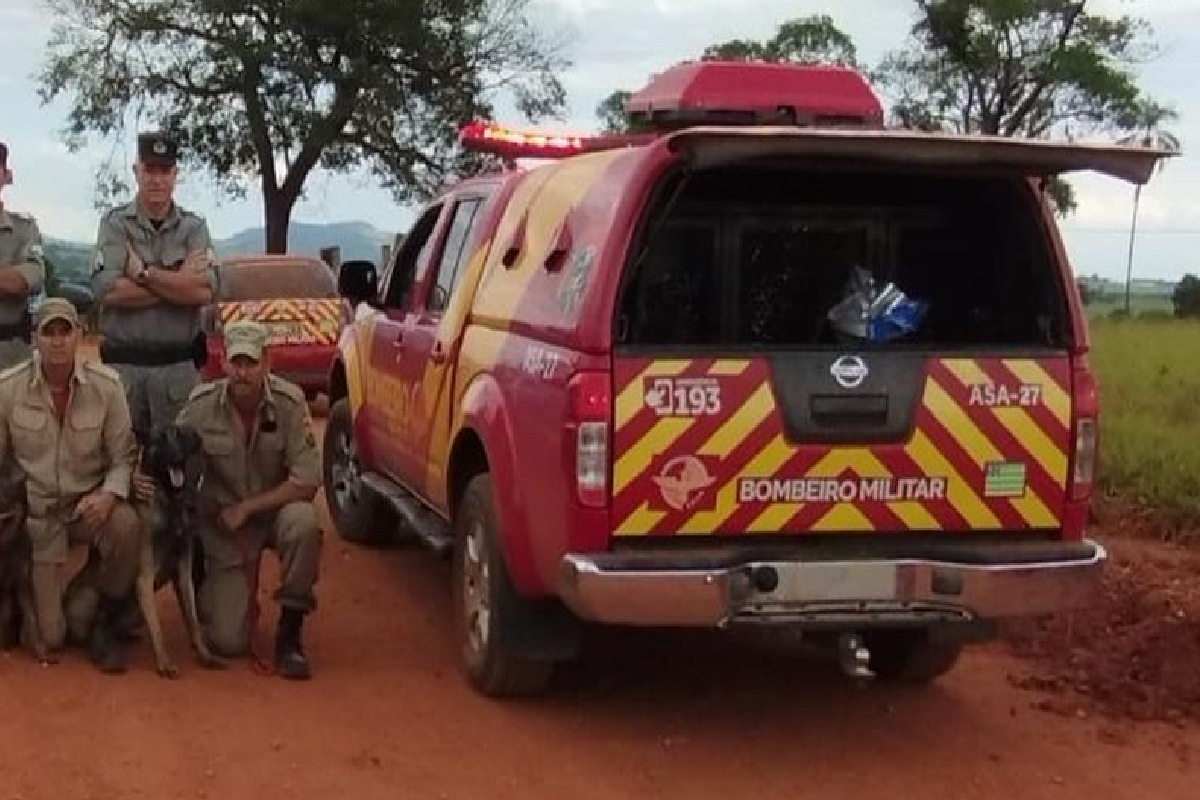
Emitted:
pixel 981 450
pixel 640 521
pixel 1022 427
pixel 1035 441
pixel 843 517
pixel 729 367
pixel 629 401
pixel 1056 400
pixel 637 459
pixel 967 371
pixel 775 517
pixel 931 461
pixel 753 413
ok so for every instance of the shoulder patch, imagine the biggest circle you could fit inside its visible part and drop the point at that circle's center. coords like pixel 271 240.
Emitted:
pixel 103 370
pixel 285 388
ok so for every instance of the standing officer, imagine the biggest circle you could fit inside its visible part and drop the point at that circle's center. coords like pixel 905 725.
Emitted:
pixel 155 270
pixel 22 273
pixel 66 424
pixel 262 470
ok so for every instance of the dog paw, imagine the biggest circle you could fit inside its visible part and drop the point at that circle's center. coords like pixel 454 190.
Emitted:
pixel 168 671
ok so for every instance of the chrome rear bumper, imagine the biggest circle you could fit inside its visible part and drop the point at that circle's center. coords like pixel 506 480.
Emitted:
pixel 659 589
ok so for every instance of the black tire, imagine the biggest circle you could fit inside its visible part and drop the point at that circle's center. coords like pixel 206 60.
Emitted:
pixel 911 657
pixel 491 665
pixel 360 516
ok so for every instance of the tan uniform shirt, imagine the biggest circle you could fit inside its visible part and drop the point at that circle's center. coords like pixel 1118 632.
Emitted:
pixel 92 448
pixel 165 247
pixel 20 247
pixel 282 445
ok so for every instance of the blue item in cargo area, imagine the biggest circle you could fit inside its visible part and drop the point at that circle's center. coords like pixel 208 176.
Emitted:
pixel 877 316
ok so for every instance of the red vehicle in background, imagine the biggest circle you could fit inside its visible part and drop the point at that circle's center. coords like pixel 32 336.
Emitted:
pixel 296 297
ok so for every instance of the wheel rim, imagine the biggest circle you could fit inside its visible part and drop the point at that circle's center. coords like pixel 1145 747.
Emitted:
pixel 476 589
pixel 346 472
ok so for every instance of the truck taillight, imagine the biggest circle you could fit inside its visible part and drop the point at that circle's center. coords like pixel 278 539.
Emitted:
pixel 591 404
pixel 1086 410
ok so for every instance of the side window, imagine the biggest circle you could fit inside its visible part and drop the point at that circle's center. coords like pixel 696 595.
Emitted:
pixel 401 276
pixel 449 270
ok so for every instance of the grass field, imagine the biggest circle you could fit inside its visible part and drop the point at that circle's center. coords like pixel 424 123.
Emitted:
pixel 1149 374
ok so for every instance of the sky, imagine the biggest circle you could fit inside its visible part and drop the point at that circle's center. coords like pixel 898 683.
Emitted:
pixel 619 44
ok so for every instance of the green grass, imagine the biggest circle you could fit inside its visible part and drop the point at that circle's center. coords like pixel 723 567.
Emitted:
pixel 1149 375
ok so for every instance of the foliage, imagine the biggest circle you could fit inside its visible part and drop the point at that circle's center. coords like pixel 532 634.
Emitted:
pixel 1034 68
pixel 811 39
pixel 1186 297
pixel 267 91
pixel 1150 415
pixel 1086 293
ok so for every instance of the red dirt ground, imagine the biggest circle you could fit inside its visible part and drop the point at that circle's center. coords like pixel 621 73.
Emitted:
pixel 646 714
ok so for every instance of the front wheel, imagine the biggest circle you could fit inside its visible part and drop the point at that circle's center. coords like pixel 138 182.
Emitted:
pixel 487 604
pixel 359 515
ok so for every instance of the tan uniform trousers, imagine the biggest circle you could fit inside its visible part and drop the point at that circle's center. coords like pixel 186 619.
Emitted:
pixel 111 574
pixel 295 536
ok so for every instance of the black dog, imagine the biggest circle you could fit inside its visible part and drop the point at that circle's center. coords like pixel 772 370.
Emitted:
pixel 174 460
pixel 18 614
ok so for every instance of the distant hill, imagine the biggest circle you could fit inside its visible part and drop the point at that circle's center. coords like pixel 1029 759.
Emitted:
pixel 358 240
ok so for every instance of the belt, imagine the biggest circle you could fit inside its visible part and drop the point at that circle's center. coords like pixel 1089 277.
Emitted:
pixel 142 356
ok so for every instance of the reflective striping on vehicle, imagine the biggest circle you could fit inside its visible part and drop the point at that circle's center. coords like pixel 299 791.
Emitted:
pixel 317 320
pixel 936 480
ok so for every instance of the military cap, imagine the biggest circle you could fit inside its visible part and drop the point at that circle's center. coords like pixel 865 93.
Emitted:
pixel 3 155
pixel 155 147
pixel 246 338
pixel 53 308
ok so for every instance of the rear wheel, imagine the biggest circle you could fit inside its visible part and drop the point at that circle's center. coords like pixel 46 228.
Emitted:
pixel 359 514
pixel 911 656
pixel 487 605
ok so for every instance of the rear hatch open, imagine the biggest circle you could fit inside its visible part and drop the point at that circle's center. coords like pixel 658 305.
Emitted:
pixel 742 408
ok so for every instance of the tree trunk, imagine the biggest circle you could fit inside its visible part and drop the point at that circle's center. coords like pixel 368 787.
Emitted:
pixel 278 212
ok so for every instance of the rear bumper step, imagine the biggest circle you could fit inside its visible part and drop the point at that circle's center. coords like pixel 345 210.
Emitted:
pixel 660 589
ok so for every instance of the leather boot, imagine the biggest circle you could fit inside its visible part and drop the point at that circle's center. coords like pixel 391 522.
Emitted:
pixel 290 661
pixel 107 650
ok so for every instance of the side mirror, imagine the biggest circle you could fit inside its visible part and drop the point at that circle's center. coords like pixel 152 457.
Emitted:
pixel 358 281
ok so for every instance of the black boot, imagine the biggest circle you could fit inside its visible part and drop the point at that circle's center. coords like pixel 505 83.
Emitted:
pixel 107 650
pixel 290 661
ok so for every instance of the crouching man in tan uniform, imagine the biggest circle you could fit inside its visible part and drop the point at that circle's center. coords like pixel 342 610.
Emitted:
pixel 262 470
pixel 67 425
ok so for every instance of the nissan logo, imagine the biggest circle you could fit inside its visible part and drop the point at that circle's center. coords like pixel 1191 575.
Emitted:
pixel 849 372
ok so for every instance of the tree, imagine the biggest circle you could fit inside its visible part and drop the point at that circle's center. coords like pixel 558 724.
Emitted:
pixel 269 90
pixel 806 40
pixel 1186 297
pixel 1086 293
pixel 1032 68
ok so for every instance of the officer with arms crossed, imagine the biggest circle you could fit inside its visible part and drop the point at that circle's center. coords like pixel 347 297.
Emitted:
pixel 155 270
pixel 67 425
pixel 22 273
pixel 262 470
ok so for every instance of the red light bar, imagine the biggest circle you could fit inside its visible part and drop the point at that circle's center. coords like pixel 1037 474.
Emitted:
pixel 487 137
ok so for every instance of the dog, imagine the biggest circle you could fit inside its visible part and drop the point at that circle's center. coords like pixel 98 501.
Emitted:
pixel 173 459
pixel 18 613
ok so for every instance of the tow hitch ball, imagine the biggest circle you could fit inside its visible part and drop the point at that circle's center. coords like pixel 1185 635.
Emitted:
pixel 853 657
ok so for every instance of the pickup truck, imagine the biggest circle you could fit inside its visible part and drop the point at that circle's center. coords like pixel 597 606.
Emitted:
pixel 767 362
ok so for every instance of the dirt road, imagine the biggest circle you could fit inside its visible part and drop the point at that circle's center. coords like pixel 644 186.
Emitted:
pixel 645 715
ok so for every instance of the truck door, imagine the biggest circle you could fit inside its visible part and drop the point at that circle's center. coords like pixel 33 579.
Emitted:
pixel 426 355
pixel 387 389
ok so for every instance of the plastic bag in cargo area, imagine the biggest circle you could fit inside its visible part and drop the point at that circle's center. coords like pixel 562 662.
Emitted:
pixel 875 315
